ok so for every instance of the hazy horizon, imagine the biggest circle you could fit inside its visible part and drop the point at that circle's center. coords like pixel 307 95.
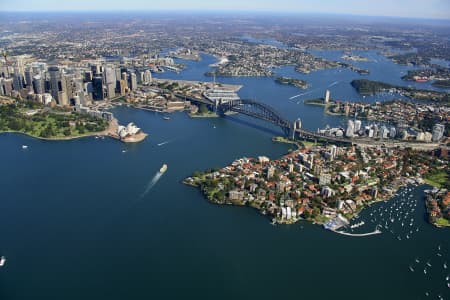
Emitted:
pixel 415 9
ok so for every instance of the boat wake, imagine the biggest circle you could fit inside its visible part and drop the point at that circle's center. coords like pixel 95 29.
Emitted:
pixel 334 83
pixel 164 143
pixel 302 94
pixel 151 184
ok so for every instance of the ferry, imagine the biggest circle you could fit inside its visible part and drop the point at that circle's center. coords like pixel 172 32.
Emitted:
pixel 2 261
pixel 163 169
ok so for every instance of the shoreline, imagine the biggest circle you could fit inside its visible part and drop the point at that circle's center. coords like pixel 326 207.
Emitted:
pixel 403 183
pixel 68 138
pixel 110 132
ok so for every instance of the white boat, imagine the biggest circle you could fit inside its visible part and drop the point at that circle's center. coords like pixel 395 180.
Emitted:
pixel 163 169
pixel 445 265
pixel 2 261
pixel 411 269
pixel 24 147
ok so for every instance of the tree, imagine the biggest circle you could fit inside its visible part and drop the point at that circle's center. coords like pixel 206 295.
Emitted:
pixel 203 109
pixel 67 132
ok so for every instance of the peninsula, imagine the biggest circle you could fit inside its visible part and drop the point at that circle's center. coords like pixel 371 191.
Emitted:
pixel 317 183
pixel 35 120
pixel 369 87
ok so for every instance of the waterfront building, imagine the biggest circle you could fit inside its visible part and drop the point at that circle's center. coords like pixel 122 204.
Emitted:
pixel 147 77
pixel 420 136
pixel 263 159
pixel 392 133
pixel 236 195
pixel 384 132
pixel 220 95
pixel 438 132
pixel 350 128
pixel 357 125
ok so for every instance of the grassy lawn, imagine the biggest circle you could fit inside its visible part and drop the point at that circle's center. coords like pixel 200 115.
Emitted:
pixel 437 179
pixel 442 222
pixel 48 124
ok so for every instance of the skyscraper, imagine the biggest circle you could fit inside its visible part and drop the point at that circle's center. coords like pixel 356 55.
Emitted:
pixel 57 86
pixel 29 79
pixel 110 80
pixel 133 81
pixel 97 86
pixel 18 81
pixel 38 85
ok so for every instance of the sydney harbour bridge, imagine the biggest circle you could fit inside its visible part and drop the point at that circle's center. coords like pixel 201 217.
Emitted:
pixel 266 113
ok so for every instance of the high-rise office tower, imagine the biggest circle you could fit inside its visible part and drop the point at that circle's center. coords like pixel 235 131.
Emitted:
pixel 97 88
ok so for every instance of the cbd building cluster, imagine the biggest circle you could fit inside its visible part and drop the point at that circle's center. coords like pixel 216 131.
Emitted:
pixel 69 85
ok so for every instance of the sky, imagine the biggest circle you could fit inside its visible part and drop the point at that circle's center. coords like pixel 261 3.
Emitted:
pixel 394 8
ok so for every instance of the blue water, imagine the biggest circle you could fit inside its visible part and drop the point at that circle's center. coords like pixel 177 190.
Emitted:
pixel 79 220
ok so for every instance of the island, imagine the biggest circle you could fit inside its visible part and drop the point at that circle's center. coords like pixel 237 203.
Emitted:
pixel 316 183
pixel 354 57
pixel 302 84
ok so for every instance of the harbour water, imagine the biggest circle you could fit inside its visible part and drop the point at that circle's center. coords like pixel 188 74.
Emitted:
pixel 79 221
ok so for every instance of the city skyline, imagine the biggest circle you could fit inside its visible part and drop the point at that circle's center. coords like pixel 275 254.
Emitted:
pixel 434 9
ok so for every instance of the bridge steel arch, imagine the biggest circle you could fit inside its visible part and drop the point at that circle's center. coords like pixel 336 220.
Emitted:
pixel 257 110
